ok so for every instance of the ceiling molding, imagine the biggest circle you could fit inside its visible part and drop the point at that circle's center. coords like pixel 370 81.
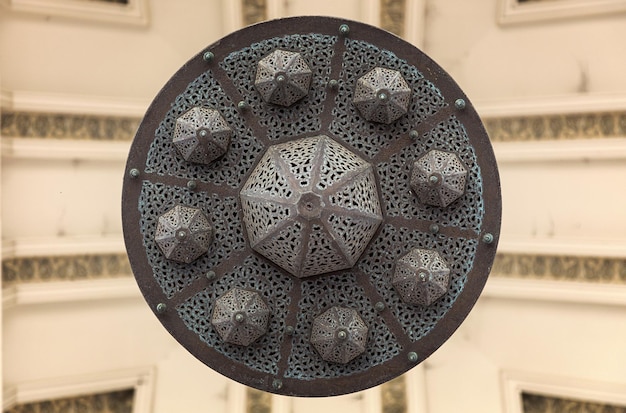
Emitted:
pixel 65 149
pixel 66 245
pixel 564 150
pixel 69 291
pixel 551 105
pixel 516 11
pixel 140 379
pixel 45 102
pixel 555 291
pixel 135 12
pixel 578 247
pixel 514 383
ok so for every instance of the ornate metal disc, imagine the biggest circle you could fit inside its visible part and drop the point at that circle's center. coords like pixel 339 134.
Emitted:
pixel 343 196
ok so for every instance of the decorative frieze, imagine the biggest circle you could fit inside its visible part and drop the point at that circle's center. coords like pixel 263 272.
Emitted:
pixel 556 127
pixel 501 129
pixel 83 267
pixel 112 402
pixel 561 268
pixel 258 401
pixel 64 268
pixel 254 11
pixel 67 126
pixel 393 395
pixel 535 403
pixel 392 14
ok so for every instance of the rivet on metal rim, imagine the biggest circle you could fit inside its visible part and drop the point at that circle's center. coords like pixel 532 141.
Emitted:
pixel 134 173
pixel 488 238
pixel 414 134
pixel 434 228
pixel 459 104
pixel 277 384
pixel 242 105
pixel 344 29
pixel 289 330
pixel 333 84
pixel 208 56
pixel 161 308
pixel 210 275
pixel 412 356
pixel 192 185
pixel 379 306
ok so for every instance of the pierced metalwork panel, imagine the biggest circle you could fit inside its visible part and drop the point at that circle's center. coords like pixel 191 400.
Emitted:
pixel 317 157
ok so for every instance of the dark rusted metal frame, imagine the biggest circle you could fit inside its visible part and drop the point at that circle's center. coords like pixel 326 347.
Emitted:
pixel 154 295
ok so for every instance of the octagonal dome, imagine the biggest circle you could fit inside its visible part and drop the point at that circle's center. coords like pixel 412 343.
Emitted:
pixel 283 77
pixel 421 277
pixel 183 233
pixel 311 206
pixel 201 135
pixel 438 178
pixel 339 334
pixel 382 95
pixel 240 316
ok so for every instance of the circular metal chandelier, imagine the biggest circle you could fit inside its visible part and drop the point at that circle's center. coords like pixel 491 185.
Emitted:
pixel 311 206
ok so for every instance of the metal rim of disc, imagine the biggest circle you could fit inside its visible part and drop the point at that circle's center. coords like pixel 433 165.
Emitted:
pixel 282 378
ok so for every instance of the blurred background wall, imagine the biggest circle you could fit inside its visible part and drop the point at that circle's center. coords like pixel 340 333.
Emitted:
pixel 548 78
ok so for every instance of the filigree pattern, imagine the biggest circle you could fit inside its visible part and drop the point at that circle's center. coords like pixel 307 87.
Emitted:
pixel 67 126
pixel 392 13
pixel 534 403
pixel 561 268
pixel 258 401
pixel 254 11
pixel 393 394
pixel 557 127
pixel 501 129
pixel 64 268
pixel 113 402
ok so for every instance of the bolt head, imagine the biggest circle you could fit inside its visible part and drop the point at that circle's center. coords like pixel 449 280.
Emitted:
pixel 412 356
pixel 240 317
pixel 459 104
pixel 434 179
pixel 342 334
pixel 161 308
pixel 134 173
pixel 344 29
pixel 379 306
pixel 333 84
pixel 208 56
pixel 488 238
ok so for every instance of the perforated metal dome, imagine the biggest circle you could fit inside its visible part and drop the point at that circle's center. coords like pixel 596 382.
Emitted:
pixel 346 210
pixel 311 206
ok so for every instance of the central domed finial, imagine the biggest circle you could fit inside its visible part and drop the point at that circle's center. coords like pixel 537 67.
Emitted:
pixel 311 206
